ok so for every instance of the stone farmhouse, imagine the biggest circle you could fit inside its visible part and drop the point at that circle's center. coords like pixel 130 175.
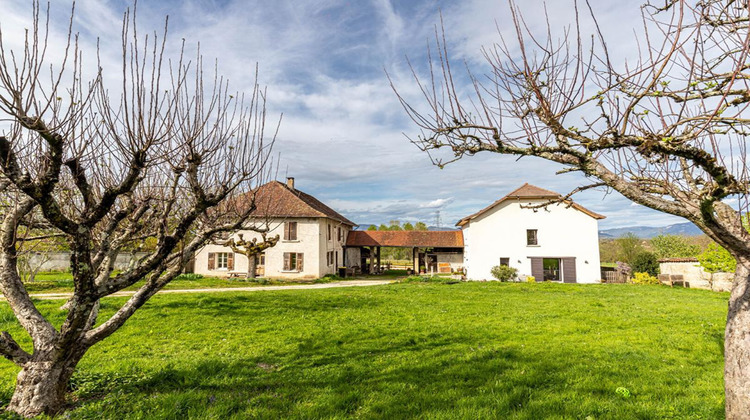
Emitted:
pixel 311 237
pixel 554 242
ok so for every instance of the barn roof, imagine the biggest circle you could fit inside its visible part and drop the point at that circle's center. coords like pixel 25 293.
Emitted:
pixel 528 191
pixel 407 238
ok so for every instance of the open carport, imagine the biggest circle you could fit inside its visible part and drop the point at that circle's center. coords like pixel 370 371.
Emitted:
pixel 435 251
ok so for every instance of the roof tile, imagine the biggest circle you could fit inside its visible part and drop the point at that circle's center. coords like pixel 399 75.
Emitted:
pixel 276 199
pixel 407 238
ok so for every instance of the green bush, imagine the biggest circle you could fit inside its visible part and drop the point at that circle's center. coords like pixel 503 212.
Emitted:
pixel 503 272
pixel 189 276
pixel 716 259
pixel 646 262
pixel 644 278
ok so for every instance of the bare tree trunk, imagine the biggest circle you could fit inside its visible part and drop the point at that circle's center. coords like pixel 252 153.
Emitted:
pixel 41 386
pixel 737 346
pixel 252 264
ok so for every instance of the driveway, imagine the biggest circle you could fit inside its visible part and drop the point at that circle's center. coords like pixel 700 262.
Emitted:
pixel 351 283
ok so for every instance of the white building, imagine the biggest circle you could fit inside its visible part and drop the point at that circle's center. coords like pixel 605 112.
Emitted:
pixel 558 242
pixel 312 237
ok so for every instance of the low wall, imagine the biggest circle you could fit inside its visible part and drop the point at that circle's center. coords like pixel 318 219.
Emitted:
pixel 688 270
pixel 60 261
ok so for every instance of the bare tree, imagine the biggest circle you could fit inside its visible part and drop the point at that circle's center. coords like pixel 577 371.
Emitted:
pixel 164 158
pixel 252 249
pixel 667 131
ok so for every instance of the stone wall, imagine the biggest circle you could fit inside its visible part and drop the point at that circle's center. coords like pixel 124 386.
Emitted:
pixel 688 272
pixel 60 261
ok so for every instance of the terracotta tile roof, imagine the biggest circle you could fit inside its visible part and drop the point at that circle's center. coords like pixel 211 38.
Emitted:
pixel 530 191
pixel 407 238
pixel 678 260
pixel 276 199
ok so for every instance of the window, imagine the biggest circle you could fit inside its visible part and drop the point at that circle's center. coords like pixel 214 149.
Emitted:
pixel 293 261
pixel 329 232
pixel 290 231
pixel 531 237
pixel 505 261
pixel 340 235
pixel 329 257
pixel 221 261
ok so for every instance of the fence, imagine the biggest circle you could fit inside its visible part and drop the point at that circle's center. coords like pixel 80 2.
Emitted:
pixel 610 275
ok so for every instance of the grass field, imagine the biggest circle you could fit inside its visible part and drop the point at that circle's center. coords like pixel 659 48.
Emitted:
pixel 433 351
pixel 62 282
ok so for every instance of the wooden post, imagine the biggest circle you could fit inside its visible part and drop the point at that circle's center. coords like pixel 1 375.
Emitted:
pixel 372 260
pixel 378 259
pixel 415 257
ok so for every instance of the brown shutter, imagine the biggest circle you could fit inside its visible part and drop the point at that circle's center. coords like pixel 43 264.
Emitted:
pixel 569 270
pixel 286 231
pixel 287 257
pixel 537 268
pixel 300 266
pixel 230 261
pixel 211 260
pixel 292 231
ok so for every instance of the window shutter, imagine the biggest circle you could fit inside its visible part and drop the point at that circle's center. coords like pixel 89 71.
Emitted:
pixel 287 257
pixel 569 270
pixel 537 268
pixel 211 260
pixel 292 231
pixel 286 231
pixel 230 261
pixel 300 266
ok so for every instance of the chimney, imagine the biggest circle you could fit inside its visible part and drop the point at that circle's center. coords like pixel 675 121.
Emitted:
pixel 290 182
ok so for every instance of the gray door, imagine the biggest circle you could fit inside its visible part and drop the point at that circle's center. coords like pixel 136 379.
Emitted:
pixel 537 268
pixel 569 269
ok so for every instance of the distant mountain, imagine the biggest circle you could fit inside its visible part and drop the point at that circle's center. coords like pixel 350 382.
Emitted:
pixel 647 232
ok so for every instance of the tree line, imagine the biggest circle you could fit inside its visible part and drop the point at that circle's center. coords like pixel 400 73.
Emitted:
pixel 643 254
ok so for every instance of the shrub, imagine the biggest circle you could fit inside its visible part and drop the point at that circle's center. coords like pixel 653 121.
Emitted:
pixel 674 246
pixel 717 259
pixel 644 278
pixel 503 272
pixel 530 279
pixel 646 262
pixel 189 276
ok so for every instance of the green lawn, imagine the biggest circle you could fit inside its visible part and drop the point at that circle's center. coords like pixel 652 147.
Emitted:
pixel 429 351
pixel 62 282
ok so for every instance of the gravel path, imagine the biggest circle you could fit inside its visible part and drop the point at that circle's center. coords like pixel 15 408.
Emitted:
pixel 351 283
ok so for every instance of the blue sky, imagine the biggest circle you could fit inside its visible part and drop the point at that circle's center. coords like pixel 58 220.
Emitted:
pixel 324 62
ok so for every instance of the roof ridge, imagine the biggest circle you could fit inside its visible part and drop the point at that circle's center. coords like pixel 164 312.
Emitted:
pixel 543 193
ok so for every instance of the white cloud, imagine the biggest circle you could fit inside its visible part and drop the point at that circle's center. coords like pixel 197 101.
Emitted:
pixel 342 135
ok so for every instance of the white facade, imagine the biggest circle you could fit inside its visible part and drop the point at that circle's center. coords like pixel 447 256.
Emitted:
pixel 312 242
pixel 564 233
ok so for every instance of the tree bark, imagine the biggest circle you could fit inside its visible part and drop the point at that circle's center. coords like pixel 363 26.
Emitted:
pixel 737 346
pixel 252 264
pixel 41 387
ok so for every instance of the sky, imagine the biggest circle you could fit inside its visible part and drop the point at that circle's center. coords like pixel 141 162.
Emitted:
pixel 343 135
